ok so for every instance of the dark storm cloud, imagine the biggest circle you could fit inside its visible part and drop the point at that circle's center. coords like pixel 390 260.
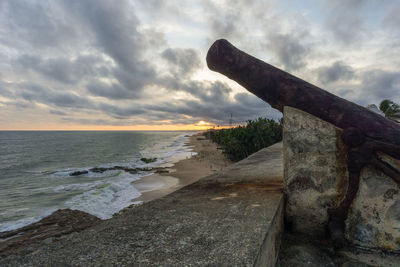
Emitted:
pixel 64 70
pixel 4 90
pixel 337 71
pixel 115 30
pixel 211 99
pixel 391 22
pixel 108 28
pixel 289 49
pixel 232 19
pixel 34 24
pixel 250 101
pixel 208 91
pixel 36 93
pixel 289 46
pixel 226 25
pixel 110 91
pixel 114 27
pixel 117 111
pixel 19 104
pixel 183 61
pixel 92 121
pixel 136 79
pixel 136 121
pixel 57 112
pixel 216 112
pixel 212 103
pixel 117 50
pixel 344 20
pixel 392 18
pixel 171 10
pixel 99 54
pixel 377 85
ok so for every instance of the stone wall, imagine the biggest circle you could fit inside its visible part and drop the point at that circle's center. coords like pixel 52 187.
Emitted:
pixel 315 178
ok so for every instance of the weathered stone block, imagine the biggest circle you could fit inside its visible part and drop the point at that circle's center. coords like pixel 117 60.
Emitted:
pixel 311 169
pixel 315 178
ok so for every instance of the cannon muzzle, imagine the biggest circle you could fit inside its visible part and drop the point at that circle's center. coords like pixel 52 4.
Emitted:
pixel 279 89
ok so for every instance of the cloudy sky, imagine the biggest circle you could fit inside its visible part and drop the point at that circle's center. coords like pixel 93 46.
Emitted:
pixel 133 64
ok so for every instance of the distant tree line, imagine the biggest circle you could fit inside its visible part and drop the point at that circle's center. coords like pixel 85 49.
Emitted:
pixel 241 141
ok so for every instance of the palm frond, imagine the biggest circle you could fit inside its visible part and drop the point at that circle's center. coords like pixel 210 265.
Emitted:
pixel 391 109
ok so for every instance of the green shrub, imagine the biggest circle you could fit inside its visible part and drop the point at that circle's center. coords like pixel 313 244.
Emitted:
pixel 241 141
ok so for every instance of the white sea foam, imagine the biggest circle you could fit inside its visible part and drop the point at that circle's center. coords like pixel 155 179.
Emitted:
pixel 169 152
pixel 78 187
pixel 12 225
pixel 104 201
pixel 147 187
pixel 104 194
pixel 69 187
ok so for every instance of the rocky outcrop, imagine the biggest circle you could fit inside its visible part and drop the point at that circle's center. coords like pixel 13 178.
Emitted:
pixel 316 178
pixel 122 168
pixel 148 160
pixel 77 173
pixel 47 230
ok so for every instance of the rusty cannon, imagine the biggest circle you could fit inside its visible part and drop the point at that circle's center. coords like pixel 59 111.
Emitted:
pixel 364 132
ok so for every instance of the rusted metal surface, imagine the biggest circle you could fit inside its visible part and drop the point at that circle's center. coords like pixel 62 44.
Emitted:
pixel 280 89
pixel 362 151
pixel 364 132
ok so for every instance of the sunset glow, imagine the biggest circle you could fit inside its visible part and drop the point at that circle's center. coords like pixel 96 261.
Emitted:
pixel 140 65
pixel 140 127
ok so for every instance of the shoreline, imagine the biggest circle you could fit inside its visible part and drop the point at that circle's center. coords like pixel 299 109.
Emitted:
pixel 223 219
pixel 208 160
pixel 63 222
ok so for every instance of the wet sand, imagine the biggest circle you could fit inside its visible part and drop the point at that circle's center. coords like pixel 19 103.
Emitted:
pixel 208 160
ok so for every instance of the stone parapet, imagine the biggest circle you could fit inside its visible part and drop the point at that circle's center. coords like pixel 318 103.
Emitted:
pixel 232 218
pixel 316 178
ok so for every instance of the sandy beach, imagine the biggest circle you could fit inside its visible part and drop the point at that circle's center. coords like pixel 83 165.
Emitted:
pixel 208 160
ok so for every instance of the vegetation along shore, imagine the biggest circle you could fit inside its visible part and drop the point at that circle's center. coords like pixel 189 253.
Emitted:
pixel 241 141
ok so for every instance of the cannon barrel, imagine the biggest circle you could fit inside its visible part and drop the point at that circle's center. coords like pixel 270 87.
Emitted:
pixel 280 89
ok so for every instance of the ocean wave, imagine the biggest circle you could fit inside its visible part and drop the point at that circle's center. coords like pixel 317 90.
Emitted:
pixel 100 194
pixel 12 225
pixel 104 201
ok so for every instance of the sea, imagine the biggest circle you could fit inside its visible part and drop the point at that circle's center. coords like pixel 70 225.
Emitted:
pixel 36 167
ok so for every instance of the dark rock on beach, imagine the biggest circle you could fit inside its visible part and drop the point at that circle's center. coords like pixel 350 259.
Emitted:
pixel 47 230
pixel 126 169
pixel 77 173
pixel 148 160
pixel 162 171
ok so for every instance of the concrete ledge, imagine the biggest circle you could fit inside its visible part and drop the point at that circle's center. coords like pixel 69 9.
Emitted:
pixel 233 218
